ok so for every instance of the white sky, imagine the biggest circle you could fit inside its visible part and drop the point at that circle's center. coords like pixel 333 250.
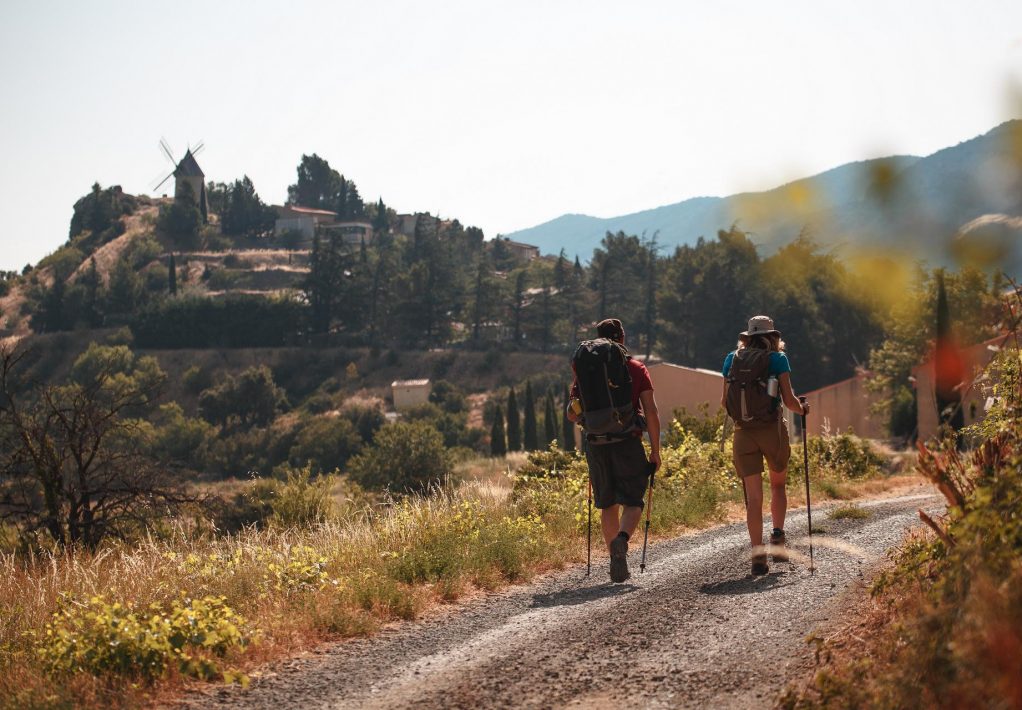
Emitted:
pixel 502 114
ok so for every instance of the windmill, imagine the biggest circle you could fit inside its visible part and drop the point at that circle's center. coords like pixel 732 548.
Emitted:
pixel 186 171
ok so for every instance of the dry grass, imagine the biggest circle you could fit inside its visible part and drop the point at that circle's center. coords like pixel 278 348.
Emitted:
pixel 338 579
pixel 849 512
pixel 297 586
pixel 491 470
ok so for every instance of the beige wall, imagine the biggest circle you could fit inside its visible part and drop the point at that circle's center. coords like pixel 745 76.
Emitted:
pixel 408 396
pixel 676 386
pixel 976 358
pixel 306 225
pixel 840 406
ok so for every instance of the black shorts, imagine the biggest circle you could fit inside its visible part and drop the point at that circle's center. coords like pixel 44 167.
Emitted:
pixel 619 472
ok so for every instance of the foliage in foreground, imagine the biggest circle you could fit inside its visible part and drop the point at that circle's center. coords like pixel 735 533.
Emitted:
pixel 951 605
pixel 315 570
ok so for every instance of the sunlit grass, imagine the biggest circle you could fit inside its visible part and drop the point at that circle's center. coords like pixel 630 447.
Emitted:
pixel 293 585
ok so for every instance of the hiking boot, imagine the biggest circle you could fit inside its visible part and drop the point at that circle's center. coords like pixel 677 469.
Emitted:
pixel 778 542
pixel 759 564
pixel 619 559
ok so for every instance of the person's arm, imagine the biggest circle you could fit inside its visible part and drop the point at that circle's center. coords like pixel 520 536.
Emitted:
pixel 788 396
pixel 723 396
pixel 573 395
pixel 649 409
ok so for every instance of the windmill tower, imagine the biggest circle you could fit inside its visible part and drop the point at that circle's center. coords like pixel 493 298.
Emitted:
pixel 187 172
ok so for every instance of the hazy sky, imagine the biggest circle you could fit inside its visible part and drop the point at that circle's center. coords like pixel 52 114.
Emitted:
pixel 502 114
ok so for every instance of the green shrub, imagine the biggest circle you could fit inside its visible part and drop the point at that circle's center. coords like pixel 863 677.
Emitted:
pixel 324 443
pixel 249 451
pixel 953 601
pixel 552 462
pixel 837 459
pixel 404 456
pixel 250 398
pixel 451 426
pixel 196 379
pixel 706 427
pixel 180 438
pixel 318 402
pixel 102 637
pixel 296 500
pixel 62 262
pixel 141 251
pixel 366 419
pixel 223 279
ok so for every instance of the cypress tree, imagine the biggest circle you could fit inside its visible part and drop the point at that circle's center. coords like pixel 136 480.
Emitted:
pixel 549 420
pixel 530 434
pixel 514 423
pixel 172 277
pixel 498 446
pixel 567 428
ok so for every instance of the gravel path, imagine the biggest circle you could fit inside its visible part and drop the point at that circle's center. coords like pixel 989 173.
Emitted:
pixel 696 630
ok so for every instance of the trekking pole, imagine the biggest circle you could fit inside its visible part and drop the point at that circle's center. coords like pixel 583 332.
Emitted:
pixel 589 532
pixel 805 465
pixel 649 511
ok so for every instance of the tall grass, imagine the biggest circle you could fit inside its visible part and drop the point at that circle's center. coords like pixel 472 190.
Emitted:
pixel 315 573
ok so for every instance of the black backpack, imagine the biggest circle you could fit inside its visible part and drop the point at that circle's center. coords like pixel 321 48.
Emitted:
pixel 605 387
pixel 747 401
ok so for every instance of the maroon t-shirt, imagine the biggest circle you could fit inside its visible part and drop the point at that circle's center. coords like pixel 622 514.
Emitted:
pixel 640 383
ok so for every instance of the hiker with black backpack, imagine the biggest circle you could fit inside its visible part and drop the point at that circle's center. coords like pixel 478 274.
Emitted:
pixel 612 398
pixel 757 380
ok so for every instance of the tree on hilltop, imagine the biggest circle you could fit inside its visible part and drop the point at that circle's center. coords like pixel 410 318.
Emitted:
pixel 244 214
pixel 321 187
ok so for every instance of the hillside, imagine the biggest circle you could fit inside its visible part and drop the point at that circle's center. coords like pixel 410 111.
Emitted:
pixel 914 203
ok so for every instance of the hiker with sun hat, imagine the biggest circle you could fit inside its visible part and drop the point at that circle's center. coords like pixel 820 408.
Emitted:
pixel 757 380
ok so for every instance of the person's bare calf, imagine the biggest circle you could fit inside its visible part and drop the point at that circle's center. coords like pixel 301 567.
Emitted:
pixel 616 519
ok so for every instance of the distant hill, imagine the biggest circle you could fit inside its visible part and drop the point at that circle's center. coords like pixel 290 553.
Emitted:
pixel 907 202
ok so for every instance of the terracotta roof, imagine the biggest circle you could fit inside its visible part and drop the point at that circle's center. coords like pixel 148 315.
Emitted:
pixel 306 210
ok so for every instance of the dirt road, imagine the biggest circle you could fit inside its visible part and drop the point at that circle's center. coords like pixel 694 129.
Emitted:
pixel 696 630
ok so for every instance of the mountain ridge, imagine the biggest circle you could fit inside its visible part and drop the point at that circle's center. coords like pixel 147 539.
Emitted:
pixel 913 202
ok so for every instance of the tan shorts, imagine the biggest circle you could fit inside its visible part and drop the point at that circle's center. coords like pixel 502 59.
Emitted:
pixel 752 445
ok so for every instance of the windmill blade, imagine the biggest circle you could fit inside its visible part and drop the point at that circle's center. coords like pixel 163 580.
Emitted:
pixel 167 151
pixel 163 181
pixel 157 180
pixel 198 148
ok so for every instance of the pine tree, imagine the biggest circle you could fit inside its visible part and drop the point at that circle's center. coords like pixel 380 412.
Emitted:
pixel 549 420
pixel 514 424
pixel 172 277
pixel 567 428
pixel 498 445
pixel 530 435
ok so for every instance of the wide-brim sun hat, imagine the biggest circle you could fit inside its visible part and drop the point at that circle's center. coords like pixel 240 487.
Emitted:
pixel 760 325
